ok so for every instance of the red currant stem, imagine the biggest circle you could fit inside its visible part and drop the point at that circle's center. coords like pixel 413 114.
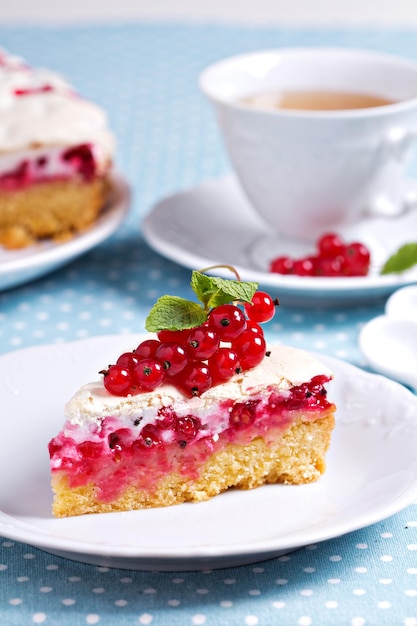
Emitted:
pixel 221 266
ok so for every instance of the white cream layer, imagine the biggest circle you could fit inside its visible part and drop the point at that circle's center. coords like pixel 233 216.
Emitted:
pixel 284 368
pixel 55 117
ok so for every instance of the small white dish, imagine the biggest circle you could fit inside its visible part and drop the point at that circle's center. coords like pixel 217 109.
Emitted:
pixel 371 474
pixel 21 266
pixel 213 223
pixel 389 342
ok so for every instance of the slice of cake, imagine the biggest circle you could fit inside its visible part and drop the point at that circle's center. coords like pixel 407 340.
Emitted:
pixel 56 152
pixel 192 412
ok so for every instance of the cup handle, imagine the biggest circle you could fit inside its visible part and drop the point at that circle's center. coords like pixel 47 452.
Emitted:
pixel 395 148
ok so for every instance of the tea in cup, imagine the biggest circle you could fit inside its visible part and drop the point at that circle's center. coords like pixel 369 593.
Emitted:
pixel 318 137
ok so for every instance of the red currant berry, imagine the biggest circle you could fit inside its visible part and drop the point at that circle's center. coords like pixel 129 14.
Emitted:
pixel 118 380
pixel 228 321
pixel 173 336
pixel 187 427
pixel 330 245
pixel 357 258
pixel 166 417
pixel 250 348
pixel 119 439
pixel 282 265
pixel 194 379
pixel 172 356
pixel 147 349
pixel 128 360
pixel 254 327
pixel 305 266
pixel 148 374
pixel 243 414
pixel 261 308
pixel 223 365
pixel 328 266
pixel 149 436
pixel 202 343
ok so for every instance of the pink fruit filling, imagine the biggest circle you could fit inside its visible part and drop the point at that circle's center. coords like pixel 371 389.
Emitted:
pixel 114 456
pixel 51 165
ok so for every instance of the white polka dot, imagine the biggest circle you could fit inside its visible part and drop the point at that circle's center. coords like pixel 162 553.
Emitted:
pixel 361 570
pixel 68 601
pixel 333 581
pixel 361 546
pixel 3 567
pixel 38 618
pixel 386 558
pixel 15 601
pixel 410 621
pixel 411 593
pixel 412 546
pixel 309 570
pixel 226 604
pixel 126 580
pixel 258 570
pixel 121 602
pixel 22 579
pixel 284 559
pixel 173 602
pixel 358 621
pixel 149 590
pixel 93 618
pixel 386 535
pixel 198 619
pixel 411 570
pixel 254 592
pixel 335 558
pixel 98 590
pixel 45 589
pixel 281 581
pixel 331 604
pixel 385 581
pixel 359 592
pixel 29 556
pixel 229 581
pixel 202 591
pixel 74 579
pixel 251 620
pixel 278 605
pixel 305 621
pixel 178 581
pixel 306 592
pixel 384 605
pixel 145 618
pixel 52 567
pixel 8 544
pixel 411 524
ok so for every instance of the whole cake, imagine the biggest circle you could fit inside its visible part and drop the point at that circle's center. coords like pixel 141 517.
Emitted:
pixel 197 408
pixel 56 152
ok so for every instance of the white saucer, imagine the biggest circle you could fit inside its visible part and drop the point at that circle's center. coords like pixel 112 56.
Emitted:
pixel 21 266
pixel 214 223
pixel 371 474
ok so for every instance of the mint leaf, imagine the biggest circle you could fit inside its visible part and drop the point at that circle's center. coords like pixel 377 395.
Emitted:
pixel 403 259
pixel 174 313
pixel 213 291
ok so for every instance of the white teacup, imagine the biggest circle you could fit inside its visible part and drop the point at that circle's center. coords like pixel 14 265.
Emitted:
pixel 306 171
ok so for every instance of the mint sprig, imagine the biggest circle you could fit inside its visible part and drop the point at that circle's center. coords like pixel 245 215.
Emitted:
pixel 175 313
pixel 404 259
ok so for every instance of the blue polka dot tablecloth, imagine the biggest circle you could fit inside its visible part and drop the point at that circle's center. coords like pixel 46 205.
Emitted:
pixel 145 76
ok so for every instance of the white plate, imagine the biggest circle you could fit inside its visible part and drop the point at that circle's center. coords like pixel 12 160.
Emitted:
pixel 371 474
pixel 214 223
pixel 21 266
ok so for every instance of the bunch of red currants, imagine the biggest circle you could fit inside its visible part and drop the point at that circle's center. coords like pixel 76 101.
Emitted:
pixel 230 341
pixel 334 258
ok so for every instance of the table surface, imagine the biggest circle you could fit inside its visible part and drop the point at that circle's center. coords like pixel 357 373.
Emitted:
pixel 145 75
